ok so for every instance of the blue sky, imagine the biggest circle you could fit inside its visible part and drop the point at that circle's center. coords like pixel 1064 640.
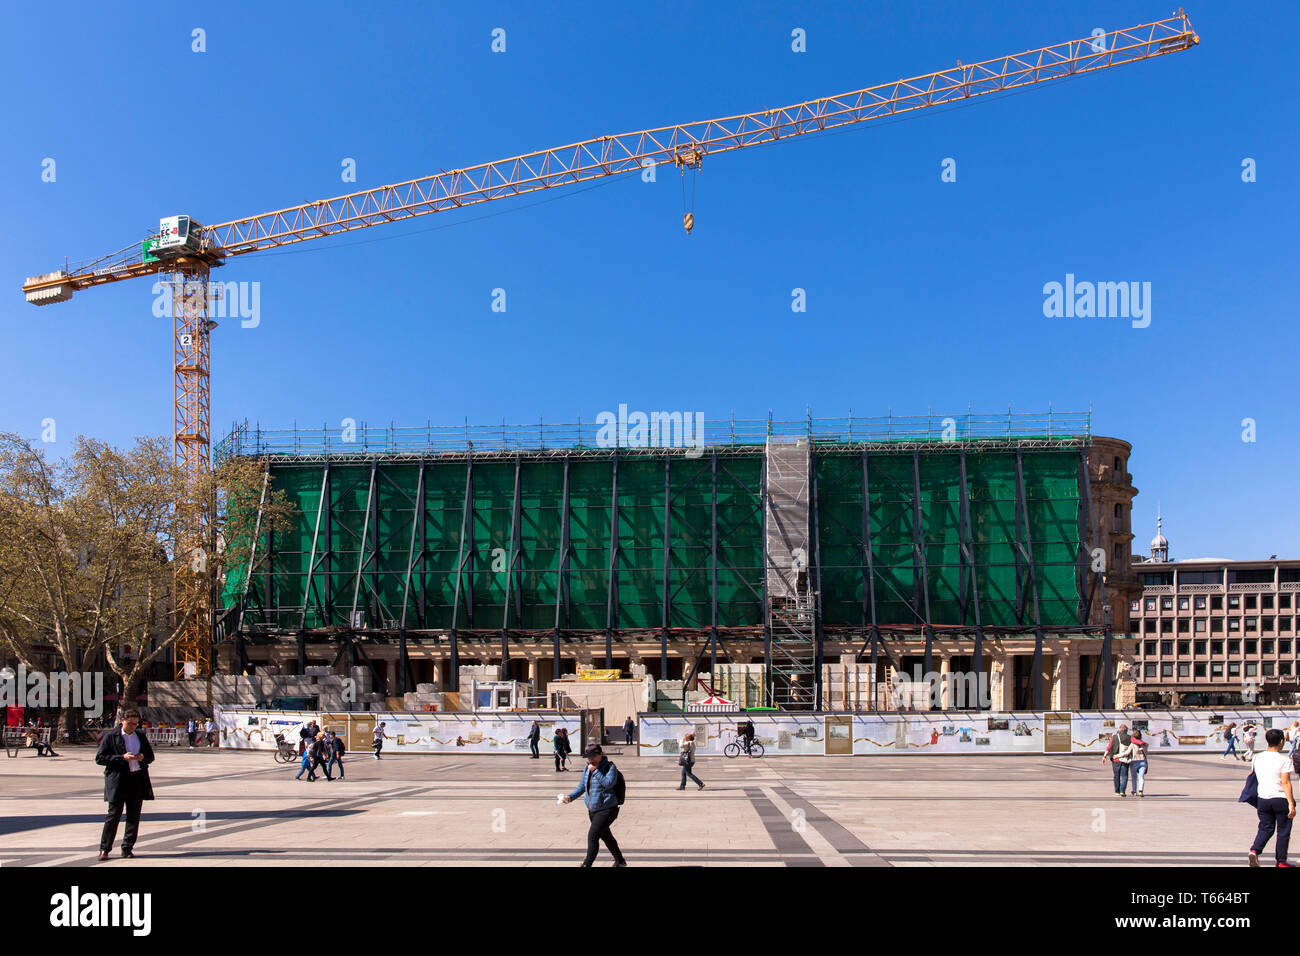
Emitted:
pixel 920 294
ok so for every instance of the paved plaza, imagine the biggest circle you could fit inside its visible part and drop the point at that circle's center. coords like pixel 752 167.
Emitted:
pixel 239 808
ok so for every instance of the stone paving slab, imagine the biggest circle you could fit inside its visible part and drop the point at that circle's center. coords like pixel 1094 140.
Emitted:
pixel 239 808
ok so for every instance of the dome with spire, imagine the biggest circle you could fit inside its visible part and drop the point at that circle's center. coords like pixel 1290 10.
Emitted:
pixel 1159 544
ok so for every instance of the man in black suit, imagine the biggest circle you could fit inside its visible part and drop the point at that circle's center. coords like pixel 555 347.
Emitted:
pixel 125 755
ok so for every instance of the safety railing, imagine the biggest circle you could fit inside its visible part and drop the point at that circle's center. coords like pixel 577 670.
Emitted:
pixel 637 430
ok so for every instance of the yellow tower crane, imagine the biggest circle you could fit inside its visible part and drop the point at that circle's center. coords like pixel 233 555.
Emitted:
pixel 188 251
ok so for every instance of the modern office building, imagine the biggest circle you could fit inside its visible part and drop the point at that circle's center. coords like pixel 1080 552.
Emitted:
pixel 1215 632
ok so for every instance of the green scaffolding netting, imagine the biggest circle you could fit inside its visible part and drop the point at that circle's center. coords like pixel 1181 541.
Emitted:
pixel 476 560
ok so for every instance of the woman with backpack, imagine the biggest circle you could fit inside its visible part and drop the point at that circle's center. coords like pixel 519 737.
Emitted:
pixel 686 760
pixel 560 742
pixel 1248 743
pixel 603 790
pixel 1231 738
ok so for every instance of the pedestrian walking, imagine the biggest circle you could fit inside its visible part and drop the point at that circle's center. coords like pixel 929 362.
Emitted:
pixel 190 730
pixel 1248 743
pixel 378 742
pixel 534 737
pixel 1230 736
pixel 207 732
pixel 320 755
pixel 306 767
pixel 1137 768
pixel 335 750
pixel 686 760
pixel 125 754
pixel 1292 736
pixel 602 788
pixel 1276 799
pixel 629 728
pixel 1119 768
pixel 562 747
pixel 304 735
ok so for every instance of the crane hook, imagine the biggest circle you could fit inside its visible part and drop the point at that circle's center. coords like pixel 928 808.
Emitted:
pixel 688 221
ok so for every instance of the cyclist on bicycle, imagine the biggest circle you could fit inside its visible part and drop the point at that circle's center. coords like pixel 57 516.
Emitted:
pixel 746 731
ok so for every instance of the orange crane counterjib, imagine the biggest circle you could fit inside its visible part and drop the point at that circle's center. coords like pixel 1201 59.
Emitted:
pixel 629 152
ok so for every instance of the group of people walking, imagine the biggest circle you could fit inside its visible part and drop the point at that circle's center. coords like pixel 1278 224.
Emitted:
pixel 1127 755
pixel 324 750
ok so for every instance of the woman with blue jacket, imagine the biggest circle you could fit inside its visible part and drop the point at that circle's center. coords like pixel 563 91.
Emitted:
pixel 599 785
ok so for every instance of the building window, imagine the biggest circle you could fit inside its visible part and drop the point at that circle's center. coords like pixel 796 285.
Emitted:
pixel 1267 626
pixel 1150 605
pixel 1234 669
pixel 1200 625
pixel 1251 669
pixel 1135 605
pixel 1184 625
pixel 1284 647
pixel 1234 647
pixel 1166 670
pixel 1266 602
pixel 1234 602
pixel 1252 625
pixel 1216 647
pixel 1166 626
pixel 1268 647
pixel 1268 668
pixel 1216 625
pixel 1251 647
pixel 1250 602
pixel 1216 669
pixel 1284 668
pixel 1149 649
pixel 1119 556
pixel 1184 670
pixel 1167 604
pixel 1184 647
pixel 1150 671
pixel 1200 602
pixel 1119 466
pixel 1200 670
pixel 1182 604
pixel 1166 647
pixel 1216 602
pixel 1234 624
pixel 1119 513
pixel 1284 600
pixel 1283 624
pixel 1200 647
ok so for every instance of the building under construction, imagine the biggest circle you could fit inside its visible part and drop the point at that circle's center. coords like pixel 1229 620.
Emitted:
pixel 991 545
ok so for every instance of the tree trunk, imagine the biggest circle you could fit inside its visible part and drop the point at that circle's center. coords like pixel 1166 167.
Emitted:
pixel 130 687
pixel 67 728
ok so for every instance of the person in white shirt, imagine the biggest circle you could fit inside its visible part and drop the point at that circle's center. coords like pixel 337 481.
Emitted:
pixel 1276 802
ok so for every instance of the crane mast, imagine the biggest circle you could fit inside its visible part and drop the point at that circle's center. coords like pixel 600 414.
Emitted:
pixel 187 251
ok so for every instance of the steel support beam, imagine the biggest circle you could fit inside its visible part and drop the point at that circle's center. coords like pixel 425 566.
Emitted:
pixel 561 576
pixel 1023 510
pixel 321 511
pixel 666 618
pixel 968 561
pixel 918 544
pixel 611 583
pixel 819 648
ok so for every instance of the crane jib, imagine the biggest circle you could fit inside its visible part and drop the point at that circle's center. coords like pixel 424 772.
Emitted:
pixel 684 145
